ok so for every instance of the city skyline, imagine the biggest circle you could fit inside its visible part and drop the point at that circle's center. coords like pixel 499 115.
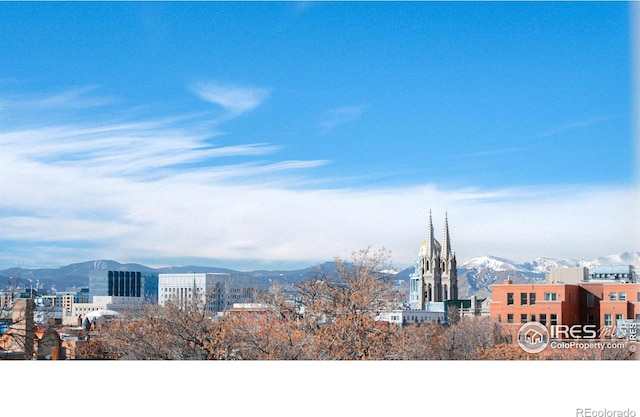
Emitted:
pixel 249 135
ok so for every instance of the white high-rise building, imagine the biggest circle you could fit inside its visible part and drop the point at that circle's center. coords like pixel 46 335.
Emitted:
pixel 218 290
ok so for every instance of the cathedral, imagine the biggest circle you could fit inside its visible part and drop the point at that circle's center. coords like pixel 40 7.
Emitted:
pixel 435 278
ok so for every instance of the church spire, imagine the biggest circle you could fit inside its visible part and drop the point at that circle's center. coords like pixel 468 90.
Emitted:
pixel 446 243
pixel 429 249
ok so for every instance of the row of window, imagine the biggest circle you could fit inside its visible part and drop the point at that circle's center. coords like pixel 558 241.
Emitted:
pixel 415 319
pixel 621 296
pixel 607 319
pixel 553 318
pixel 530 298
pixel 612 276
pixel 428 266
pixel 174 289
pixel 217 289
pixel 524 318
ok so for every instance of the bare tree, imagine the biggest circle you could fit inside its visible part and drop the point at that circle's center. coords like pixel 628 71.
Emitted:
pixel 419 341
pixel 341 308
pixel 19 329
pixel 181 330
pixel 332 316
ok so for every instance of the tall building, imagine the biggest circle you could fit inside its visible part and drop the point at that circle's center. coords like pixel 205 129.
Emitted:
pixel 435 278
pixel 110 290
pixel 219 291
pixel 115 283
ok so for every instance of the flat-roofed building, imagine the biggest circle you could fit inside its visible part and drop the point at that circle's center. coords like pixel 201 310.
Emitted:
pixel 115 283
pixel 433 312
pixel 606 303
pixel 549 304
pixel 601 304
pixel 121 291
pixel 219 291
pixel 569 275
pixel 622 273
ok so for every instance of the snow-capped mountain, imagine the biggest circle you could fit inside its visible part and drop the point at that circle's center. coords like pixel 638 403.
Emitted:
pixel 494 263
pixel 544 265
pixel 476 276
pixel 625 258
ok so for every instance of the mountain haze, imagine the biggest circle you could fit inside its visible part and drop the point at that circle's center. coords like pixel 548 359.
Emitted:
pixel 475 277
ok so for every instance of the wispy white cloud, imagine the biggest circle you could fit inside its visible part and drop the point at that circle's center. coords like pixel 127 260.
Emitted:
pixel 190 217
pixel 335 117
pixel 235 100
pixel 70 99
pixel 156 147
pixel 572 126
pixel 491 152
pixel 159 189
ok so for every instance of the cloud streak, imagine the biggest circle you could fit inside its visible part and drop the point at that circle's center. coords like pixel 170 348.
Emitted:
pixel 567 127
pixel 158 189
pixel 246 226
pixel 492 152
pixel 335 117
pixel 235 100
pixel 72 99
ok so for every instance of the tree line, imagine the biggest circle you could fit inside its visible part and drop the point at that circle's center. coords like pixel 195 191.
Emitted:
pixel 333 317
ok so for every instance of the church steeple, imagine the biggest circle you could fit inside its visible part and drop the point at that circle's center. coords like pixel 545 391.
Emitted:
pixel 435 278
pixel 446 242
pixel 430 240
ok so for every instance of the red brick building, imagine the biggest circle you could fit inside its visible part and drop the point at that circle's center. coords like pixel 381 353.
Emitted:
pixel 607 302
pixel 595 303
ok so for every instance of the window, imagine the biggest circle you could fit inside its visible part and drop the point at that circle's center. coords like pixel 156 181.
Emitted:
pixel 523 318
pixel 543 319
pixel 591 319
pixel 622 296
pixel 554 319
pixel 612 296
pixel 523 298
pixel 532 298
pixel 509 318
pixel 510 298
pixel 607 320
pixel 638 299
pixel 591 300
pixel 550 296
pixel 533 317
pixel 618 318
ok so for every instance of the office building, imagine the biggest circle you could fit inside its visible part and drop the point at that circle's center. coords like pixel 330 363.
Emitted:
pixel 218 291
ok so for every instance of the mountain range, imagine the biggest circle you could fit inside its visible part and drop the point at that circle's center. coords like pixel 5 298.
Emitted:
pixel 475 277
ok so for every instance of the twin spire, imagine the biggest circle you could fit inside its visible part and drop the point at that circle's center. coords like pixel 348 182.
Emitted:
pixel 431 242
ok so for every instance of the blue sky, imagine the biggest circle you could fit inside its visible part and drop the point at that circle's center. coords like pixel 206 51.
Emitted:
pixel 277 135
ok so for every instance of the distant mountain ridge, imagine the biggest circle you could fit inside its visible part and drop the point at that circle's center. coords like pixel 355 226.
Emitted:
pixel 77 274
pixel 475 276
